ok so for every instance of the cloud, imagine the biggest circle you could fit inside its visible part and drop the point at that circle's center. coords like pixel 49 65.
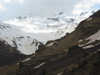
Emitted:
pixel 2 2
pixel 1 8
pixel 85 6
pixel 20 0
pixel 5 1
pixel 44 8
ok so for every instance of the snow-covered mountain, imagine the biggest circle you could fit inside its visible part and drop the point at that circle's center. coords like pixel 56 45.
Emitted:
pixel 16 38
pixel 27 33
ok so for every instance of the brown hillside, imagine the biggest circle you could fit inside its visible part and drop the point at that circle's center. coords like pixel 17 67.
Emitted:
pixel 85 29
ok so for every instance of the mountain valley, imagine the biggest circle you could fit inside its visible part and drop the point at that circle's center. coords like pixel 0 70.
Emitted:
pixel 54 46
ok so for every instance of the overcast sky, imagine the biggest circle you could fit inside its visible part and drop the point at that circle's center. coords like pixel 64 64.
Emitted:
pixel 44 8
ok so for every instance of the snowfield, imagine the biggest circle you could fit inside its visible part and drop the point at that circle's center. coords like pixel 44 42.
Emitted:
pixel 27 33
pixel 92 38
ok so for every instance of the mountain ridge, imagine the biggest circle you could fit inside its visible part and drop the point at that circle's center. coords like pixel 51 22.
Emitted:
pixel 61 56
pixel 30 31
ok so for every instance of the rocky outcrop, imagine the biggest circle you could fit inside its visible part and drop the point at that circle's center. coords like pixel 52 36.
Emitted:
pixel 9 55
pixel 6 49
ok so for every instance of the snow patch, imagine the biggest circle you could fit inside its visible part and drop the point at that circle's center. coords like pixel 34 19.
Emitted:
pixel 50 44
pixel 26 59
pixel 60 73
pixel 89 19
pixel 40 65
pixel 80 40
pixel 94 37
pixel 89 46
pixel 98 50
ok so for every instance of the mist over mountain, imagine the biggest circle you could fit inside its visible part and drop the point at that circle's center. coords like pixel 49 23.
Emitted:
pixel 49 37
pixel 27 33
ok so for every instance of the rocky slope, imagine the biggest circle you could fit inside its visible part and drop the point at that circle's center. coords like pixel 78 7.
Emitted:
pixel 9 55
pixel 86 66
pixel 79 57
pixel 71 55
pixel 82 36
pixel 58 57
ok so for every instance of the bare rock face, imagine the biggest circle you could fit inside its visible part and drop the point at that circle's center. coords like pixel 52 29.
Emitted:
pixel 6 49
pixel 74 48
pixel 9 55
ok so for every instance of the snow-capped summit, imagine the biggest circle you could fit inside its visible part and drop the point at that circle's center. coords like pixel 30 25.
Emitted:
pixel 27 33
pixel 61 13
pixel 17 39
pixel 83 13
pixel 86 14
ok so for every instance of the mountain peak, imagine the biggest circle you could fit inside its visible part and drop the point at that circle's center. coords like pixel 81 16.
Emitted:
pixel 83 13
pixel 87 13
pixel 61 13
